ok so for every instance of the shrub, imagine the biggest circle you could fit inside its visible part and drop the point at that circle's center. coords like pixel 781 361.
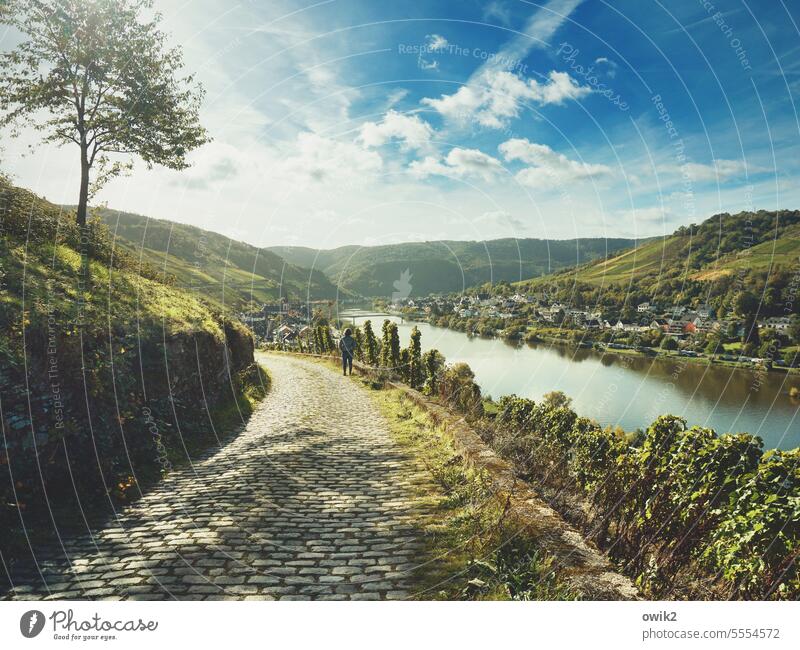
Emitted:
pixel 433 364
pixel 557 399
pixel 459 390
pixel 371 347
pixel 669 343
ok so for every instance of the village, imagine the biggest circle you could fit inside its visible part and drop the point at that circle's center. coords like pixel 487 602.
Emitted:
pixel 678 321
pixel 683 329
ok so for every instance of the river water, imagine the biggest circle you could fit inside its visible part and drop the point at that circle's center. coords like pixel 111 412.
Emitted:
pixel 625 390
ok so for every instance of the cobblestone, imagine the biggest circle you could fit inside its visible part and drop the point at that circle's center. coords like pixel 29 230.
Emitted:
pixel 301 504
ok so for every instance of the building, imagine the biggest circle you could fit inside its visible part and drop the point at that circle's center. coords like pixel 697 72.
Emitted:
pixel 285 333
pixel 705 312
pixel 777 323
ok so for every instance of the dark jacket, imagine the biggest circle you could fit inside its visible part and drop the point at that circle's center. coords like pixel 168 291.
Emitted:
pixel 347 344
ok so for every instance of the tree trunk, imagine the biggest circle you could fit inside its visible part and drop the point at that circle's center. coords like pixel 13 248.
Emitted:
pixel 83 198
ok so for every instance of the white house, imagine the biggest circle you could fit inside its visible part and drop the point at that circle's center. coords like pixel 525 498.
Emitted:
pixel 643 307
pixel 779 323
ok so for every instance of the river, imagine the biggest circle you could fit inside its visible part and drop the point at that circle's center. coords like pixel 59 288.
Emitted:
pixel 615 389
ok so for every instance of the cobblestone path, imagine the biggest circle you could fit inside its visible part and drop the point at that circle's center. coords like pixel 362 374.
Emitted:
pixel 312 500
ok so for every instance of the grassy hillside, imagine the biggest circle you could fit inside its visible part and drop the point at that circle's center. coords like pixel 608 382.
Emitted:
pixel 107 376
pixel 751 256
pixel 781 251
pixel 714 249
pixel 446 266
pixel 216 267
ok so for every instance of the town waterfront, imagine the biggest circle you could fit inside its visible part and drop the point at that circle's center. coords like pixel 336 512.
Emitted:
pixel 617 389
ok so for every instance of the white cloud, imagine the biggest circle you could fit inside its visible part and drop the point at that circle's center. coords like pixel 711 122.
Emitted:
pixel 539 29
pixel 410 130
pixel 497 10
pixel 499 218
pixel 720 168
pixel 395 97
pixel 492 94
pixel 459 163
pixel 547 166
pixel 652 215
pixel 209 174
pixel 318 159
pixel 611 66
pixel 436 42
pixel 496 97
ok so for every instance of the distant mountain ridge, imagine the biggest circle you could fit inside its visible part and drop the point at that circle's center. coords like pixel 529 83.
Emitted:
pixel 446 266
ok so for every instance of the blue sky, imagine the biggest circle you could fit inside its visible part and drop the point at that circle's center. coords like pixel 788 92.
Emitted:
pixel 360 122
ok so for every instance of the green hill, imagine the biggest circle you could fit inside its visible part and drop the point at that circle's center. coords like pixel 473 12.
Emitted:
pixel 715 248
pixel 713 262
pixel 221 269
pixel 107 375
pixel 446 266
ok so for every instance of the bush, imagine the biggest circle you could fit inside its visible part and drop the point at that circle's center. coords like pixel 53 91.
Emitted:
pixel 459 390
pixel 432 364
pixel 669 343
pixel 556 399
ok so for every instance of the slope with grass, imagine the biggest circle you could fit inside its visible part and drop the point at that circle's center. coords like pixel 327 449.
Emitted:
pixel 107 376
pixel 229 272
pixel 716 248
pixel 446 266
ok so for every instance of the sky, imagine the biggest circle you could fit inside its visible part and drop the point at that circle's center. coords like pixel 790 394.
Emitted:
pixel 358 122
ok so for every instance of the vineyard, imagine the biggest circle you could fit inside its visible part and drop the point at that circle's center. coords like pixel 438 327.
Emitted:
pixel 683 510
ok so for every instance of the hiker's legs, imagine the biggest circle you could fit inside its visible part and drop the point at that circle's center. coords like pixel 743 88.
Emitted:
pixel 344 364
pixel 350 363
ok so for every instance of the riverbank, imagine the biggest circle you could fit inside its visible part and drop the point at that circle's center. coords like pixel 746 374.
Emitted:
pixel 576 339
pixel 621 388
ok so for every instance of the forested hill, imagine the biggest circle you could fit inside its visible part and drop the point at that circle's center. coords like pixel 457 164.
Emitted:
pixel 216 267
pixel 754 252
pixel 446 266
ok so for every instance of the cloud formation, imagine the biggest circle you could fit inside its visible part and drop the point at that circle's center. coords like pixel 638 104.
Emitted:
pixel 610 66
pixel 719 170
pixel 318 159
pixel 496 98
pixel 459 163
pixel 547 167
pixel 410 130
pixel 499 218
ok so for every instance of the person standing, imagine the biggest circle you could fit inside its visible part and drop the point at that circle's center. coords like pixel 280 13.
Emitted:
pixel 347 346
